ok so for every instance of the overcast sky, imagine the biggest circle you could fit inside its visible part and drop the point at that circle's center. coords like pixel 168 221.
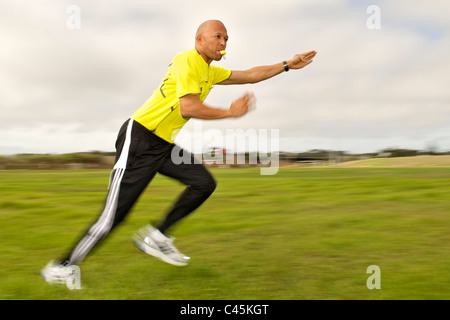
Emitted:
pixel 68 88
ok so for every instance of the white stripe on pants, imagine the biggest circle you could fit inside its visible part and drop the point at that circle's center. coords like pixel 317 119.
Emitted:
pixel 103 225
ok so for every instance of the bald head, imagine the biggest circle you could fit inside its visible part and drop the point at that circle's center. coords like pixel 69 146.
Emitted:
pixel 208 25
pixel 210 39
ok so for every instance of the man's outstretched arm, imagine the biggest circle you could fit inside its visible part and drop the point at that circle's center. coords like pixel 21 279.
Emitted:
pixel 258 74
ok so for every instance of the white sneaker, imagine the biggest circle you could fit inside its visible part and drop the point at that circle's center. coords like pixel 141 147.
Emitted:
pixel 54 272
pixel 162 248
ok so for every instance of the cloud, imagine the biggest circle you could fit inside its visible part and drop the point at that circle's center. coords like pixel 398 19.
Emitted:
pixel 367 87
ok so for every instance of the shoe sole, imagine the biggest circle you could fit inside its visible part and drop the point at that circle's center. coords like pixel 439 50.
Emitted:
pixel 140 244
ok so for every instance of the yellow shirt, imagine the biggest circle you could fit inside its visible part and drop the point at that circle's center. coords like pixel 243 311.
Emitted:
pixel 188 74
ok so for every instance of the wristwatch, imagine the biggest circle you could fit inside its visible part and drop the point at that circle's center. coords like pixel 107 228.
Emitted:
pixel 286 67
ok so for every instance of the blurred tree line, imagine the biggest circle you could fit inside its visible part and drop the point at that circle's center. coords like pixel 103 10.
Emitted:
pixel 98 159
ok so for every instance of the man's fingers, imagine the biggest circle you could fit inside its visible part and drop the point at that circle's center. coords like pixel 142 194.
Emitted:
pixel 308 56
pixel 251 100
pixel 248 96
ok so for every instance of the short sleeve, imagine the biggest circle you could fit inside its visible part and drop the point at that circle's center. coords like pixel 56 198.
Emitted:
pixel 220 74
pixel 186 76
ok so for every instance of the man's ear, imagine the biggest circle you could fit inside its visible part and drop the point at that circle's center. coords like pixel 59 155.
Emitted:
pixel 198 39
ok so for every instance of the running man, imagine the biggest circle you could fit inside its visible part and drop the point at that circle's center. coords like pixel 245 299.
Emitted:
pixel 146 141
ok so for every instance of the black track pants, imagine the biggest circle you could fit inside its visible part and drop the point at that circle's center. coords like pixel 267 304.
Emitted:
pixel 140 155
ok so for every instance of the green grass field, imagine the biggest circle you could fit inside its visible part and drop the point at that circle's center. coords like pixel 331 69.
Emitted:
pixel 304 233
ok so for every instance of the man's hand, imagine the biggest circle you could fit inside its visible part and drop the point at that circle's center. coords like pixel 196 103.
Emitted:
pixel 301 60
pixel 242 105
pixel 192 107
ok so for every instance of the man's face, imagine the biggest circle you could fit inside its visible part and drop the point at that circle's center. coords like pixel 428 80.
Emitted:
pixel 212 40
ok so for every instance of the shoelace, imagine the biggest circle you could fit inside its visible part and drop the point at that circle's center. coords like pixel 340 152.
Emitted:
pixel 169 248
pixel 165 248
